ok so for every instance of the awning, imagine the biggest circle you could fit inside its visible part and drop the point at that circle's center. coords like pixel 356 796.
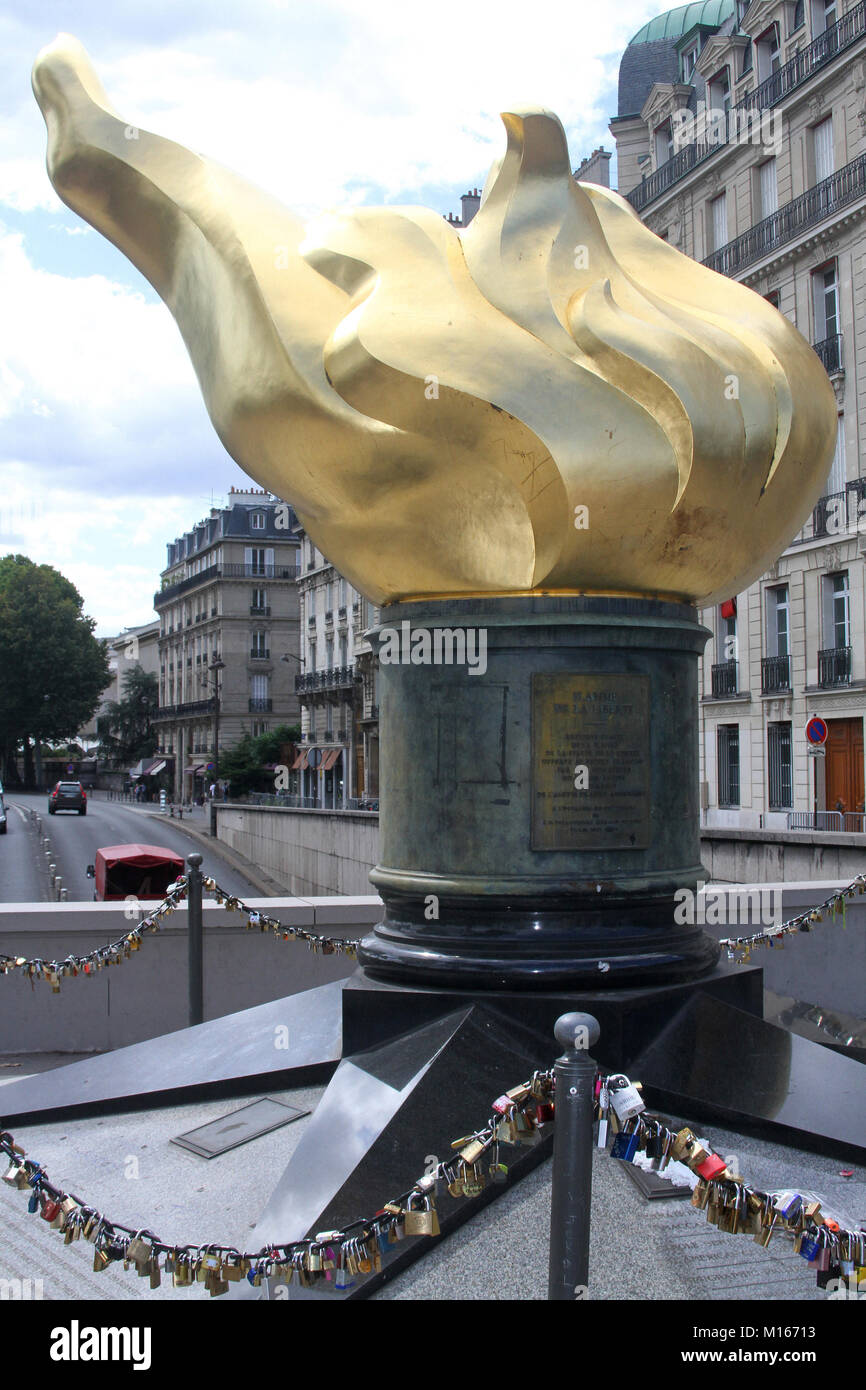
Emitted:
pixel 330 758
pixel 146 767
pixel 728 609
pixel 193 771
pixel 300 761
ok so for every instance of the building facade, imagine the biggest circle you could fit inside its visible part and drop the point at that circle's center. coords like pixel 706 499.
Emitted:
pixel 228 614
pixel 337 686
pixel 741 140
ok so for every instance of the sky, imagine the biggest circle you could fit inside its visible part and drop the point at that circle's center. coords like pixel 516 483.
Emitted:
pixel 106 450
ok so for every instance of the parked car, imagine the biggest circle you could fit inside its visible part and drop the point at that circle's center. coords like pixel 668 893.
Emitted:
pixel 2 813
pixel 68 796
pixel 141 871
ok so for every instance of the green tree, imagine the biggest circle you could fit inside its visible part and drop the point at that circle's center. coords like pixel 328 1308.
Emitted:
pixel 125 726
pixel 52 668
pixel 245 766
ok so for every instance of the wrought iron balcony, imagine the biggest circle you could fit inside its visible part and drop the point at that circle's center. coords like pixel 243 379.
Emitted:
pixel 829 196
pixel 822 50
pixel 834 666
pixel 184 711
pixel 330 679
pixel 836 514
pixel 775 674
pixel 263 612
pixel 260 653
pixel 277 571
pixel 260 706
pixel 830 352
pixel 724 676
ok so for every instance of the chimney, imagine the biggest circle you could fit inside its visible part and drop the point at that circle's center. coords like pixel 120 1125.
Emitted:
pixel 595 168
pixel 471 202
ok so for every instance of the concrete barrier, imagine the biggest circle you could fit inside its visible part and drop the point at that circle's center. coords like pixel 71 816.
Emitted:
pixel 147 994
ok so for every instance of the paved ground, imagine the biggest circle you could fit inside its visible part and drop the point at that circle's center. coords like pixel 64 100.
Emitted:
pixel 641 1250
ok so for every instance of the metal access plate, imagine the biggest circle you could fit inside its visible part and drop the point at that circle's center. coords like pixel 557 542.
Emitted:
pixel 238 1127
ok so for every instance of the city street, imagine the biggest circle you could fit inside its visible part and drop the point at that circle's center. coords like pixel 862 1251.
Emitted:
pixel 75 840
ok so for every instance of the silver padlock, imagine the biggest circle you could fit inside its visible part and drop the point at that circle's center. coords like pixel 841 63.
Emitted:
pixel 624 1098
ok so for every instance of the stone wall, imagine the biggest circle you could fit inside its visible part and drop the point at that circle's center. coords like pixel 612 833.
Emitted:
pixel 308 852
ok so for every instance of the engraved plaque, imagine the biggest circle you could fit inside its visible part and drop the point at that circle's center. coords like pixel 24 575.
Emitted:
pixel 599 723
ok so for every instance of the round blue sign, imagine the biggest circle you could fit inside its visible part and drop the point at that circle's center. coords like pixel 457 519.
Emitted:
pixel 816 730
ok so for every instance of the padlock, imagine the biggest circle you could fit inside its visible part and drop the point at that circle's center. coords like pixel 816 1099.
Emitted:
pixel 788 1205
pixel 712 1167
pixel 50 1210
pixel 420 1217
pixel 624 1146
pixel 681 1143
pixel 809 1247
pixel 624 1098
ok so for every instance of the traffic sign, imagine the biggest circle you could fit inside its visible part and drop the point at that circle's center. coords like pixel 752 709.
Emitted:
pixel 314 757
pixel 816 730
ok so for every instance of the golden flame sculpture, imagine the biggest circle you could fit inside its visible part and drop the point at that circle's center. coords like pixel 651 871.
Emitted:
pixel 551 400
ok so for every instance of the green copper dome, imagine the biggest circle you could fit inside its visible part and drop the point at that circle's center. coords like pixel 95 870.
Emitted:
pixel 679 21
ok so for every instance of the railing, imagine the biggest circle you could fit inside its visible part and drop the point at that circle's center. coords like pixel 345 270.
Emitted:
pixel 724 676
pixel 329 679
pixel 183 711
pixel 260 706
pixel 260 612
pixel 830 352
pixel 309 803
pixel 834 666
pixel 260 571
pixel 341 615
pixel 836 514
pixel 835 39
pixel 775 674
pixel 182 585
pixel 855 822
pixel 814 820
pixel 232 571
pixel 829 196
pixel 260 653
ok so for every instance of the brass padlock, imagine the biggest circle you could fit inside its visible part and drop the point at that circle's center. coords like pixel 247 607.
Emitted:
pixel 420 1220
pixel 682 1140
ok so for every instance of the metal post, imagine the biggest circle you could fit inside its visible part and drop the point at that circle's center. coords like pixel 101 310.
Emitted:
pixel 194 940
pixel 572 1158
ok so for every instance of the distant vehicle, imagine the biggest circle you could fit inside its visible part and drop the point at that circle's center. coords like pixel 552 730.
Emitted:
pixel 140 871
pixel 2 813
pixel 68 796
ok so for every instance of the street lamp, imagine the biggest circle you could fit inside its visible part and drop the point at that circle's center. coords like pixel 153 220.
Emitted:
pixel 216 666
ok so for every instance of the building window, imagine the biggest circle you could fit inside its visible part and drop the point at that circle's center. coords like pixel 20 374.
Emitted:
pixel 727 638
pixel 822 149
pixel 259 599
pixel 779 766
pixel 773 298
pixel 778 621
pixel 719 96
pixel 769 56
pixel 718 219
pixel 823 16
pixel 690 59
pixel 728 745
pixel 257 521
pixel 825 295
pixel 258 560
pixel 746 65
pixel 798 19
pixel 837 611
pixel 768 188
pixel 838 479
pixel 664 144
pixel 259 644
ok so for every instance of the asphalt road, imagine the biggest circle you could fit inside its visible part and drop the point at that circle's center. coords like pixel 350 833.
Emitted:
pixel 75 840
